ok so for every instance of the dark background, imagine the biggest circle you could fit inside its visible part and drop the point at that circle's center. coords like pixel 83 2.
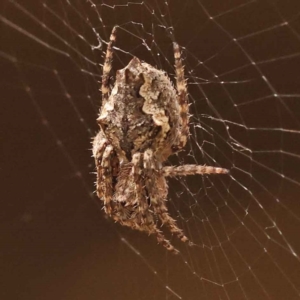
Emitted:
pixel 55 241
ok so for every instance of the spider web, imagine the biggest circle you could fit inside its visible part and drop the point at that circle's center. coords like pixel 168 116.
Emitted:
pixel 242 61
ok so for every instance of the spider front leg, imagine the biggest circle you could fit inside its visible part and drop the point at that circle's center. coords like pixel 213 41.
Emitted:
pixel 135 211
pixel 182 135
pixel 157 189
pixel 185 170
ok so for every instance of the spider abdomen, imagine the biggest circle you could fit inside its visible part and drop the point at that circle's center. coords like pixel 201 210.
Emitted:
pixel 141 111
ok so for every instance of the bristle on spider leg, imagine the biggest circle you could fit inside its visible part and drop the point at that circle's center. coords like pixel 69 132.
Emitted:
pixel 166 243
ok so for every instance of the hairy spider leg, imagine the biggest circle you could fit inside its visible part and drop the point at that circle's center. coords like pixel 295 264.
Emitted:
pixel 182 98
pixel 143 171
pixel 142 218
pixel 150 228
pixel 157 188
pixel 105 88
pixel 185 170
pixel 104 174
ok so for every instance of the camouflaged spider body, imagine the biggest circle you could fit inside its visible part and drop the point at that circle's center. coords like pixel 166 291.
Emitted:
pixel 143 120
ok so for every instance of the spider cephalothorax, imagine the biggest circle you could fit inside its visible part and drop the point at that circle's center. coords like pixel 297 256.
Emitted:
pixel 143 120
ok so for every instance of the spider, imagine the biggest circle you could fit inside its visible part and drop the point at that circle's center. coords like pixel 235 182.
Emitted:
pixel 143 120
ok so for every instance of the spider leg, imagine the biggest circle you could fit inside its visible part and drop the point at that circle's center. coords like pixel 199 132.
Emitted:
pixel 150 228
pixel 105 89
pixel 161 210
pixel 157 189
pixel 139 215
pixel 162 240
pixel 103 158
pixel 186 170
pixel 136 173
pixel 182 99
